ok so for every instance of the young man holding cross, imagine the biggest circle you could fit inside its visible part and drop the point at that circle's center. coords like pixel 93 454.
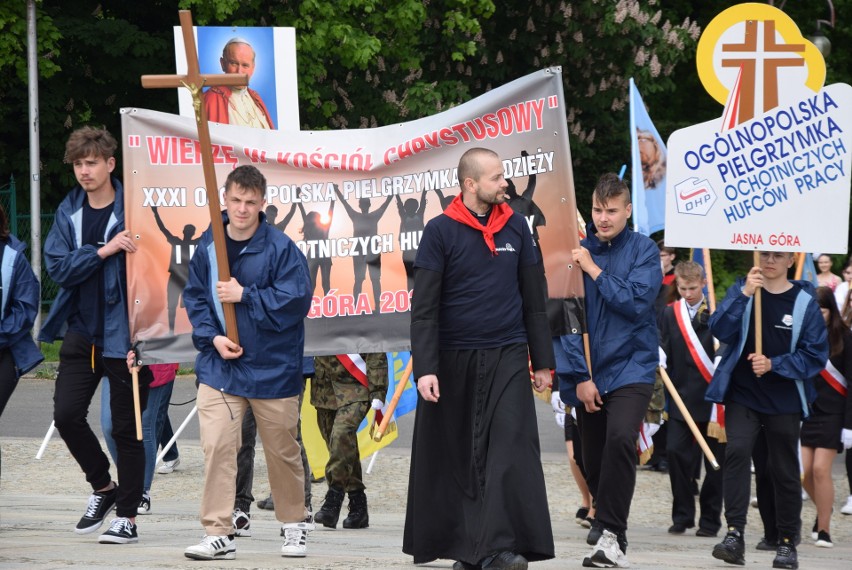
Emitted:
pixel 770 389
pixel 85 254
pixel 270 289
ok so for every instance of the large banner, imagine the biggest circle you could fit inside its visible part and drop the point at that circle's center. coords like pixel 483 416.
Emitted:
pixel 355 202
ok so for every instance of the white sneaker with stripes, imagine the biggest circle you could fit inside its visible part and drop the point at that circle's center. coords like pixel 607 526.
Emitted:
pixel 213 548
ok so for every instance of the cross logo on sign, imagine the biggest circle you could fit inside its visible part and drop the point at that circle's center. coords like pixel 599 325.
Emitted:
pixel 779 65
pixel 760 59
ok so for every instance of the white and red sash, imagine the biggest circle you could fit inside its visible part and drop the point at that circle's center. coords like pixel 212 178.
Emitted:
pixel 703 362
pixel 357 368
pixel 834 378
pixel 355 365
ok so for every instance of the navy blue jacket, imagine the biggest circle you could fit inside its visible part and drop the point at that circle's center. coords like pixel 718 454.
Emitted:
pixel 18 307
pixel 270 315
pixel 69 264
pixel 730 325
pixel 622 324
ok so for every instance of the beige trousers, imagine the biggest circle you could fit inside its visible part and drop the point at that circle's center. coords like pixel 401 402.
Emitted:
pixel 220 417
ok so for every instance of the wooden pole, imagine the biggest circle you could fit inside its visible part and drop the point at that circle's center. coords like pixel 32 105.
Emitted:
pixel 397 394
pixel 137 408
pixel 758 313
pixel 800 265
pixel 699 437
pixel 194 80
pixel 708 272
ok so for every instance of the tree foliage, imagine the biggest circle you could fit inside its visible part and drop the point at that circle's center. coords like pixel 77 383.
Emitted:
pixel 364 63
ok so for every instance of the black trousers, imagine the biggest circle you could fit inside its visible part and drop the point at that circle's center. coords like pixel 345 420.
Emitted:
pixel 8 377
pixel 80 370
pixel 609 451
pixel 683 454
pixel 743 426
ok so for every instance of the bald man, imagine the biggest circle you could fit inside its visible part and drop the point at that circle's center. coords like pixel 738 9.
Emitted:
pixel 237 105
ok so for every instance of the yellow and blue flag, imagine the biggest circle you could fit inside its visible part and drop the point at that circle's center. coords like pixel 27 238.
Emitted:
pixel 315 445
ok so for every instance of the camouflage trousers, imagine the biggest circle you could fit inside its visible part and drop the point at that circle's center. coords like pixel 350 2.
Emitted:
pixel 339 429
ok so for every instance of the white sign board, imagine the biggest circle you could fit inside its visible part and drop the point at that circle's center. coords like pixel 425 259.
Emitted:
pixel 779 182
pixel 775 174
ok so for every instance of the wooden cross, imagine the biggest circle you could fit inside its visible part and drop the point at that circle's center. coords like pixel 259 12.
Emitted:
pixel 194 81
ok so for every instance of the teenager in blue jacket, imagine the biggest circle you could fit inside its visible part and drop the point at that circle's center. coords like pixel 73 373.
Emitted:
pixel 622 275
pixel 769 390
pixel 85 255
pixel 270 290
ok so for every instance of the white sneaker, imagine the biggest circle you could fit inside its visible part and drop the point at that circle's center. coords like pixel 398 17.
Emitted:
pixel 607 553
pixel 213 548
pixel 847 508
pixel 753 502
pixel 242 523
pixel 296 538
pixel 168 466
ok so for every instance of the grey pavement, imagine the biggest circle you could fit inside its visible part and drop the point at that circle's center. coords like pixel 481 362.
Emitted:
pixel 41 501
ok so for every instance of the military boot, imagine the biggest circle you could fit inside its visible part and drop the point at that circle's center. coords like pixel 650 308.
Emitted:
pixel 329 513
pixel 358 517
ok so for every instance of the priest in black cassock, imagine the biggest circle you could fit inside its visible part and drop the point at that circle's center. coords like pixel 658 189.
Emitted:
pixel 476 490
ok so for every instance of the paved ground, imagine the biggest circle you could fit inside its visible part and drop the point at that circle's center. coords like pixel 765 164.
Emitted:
pixel 41 500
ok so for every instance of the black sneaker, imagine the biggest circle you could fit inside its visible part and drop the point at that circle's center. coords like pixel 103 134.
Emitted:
pixel 506 561
pixel 621 538
pixel 786 556
pixel 100 504
pixel 767 544
pixel 732 548
pixel 266 504
pixel 144 507
pixel 121 531
pixel 594 535
pixel 823 540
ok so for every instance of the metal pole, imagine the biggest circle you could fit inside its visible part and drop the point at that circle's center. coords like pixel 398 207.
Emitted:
pixel 35 156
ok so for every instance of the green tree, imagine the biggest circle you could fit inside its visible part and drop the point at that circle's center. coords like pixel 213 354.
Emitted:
pixel 365 63
pixel 91 56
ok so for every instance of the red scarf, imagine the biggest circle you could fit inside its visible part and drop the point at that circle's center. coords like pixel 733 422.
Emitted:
pixel 500 214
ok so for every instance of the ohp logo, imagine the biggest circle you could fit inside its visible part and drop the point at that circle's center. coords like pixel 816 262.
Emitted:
pixel 694 196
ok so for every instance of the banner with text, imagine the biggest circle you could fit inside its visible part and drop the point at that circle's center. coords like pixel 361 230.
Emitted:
pixel 778 179
pixel 354 201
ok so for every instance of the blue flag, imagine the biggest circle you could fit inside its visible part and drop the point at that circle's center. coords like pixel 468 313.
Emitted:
pixel 809 270
pixel 649 168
